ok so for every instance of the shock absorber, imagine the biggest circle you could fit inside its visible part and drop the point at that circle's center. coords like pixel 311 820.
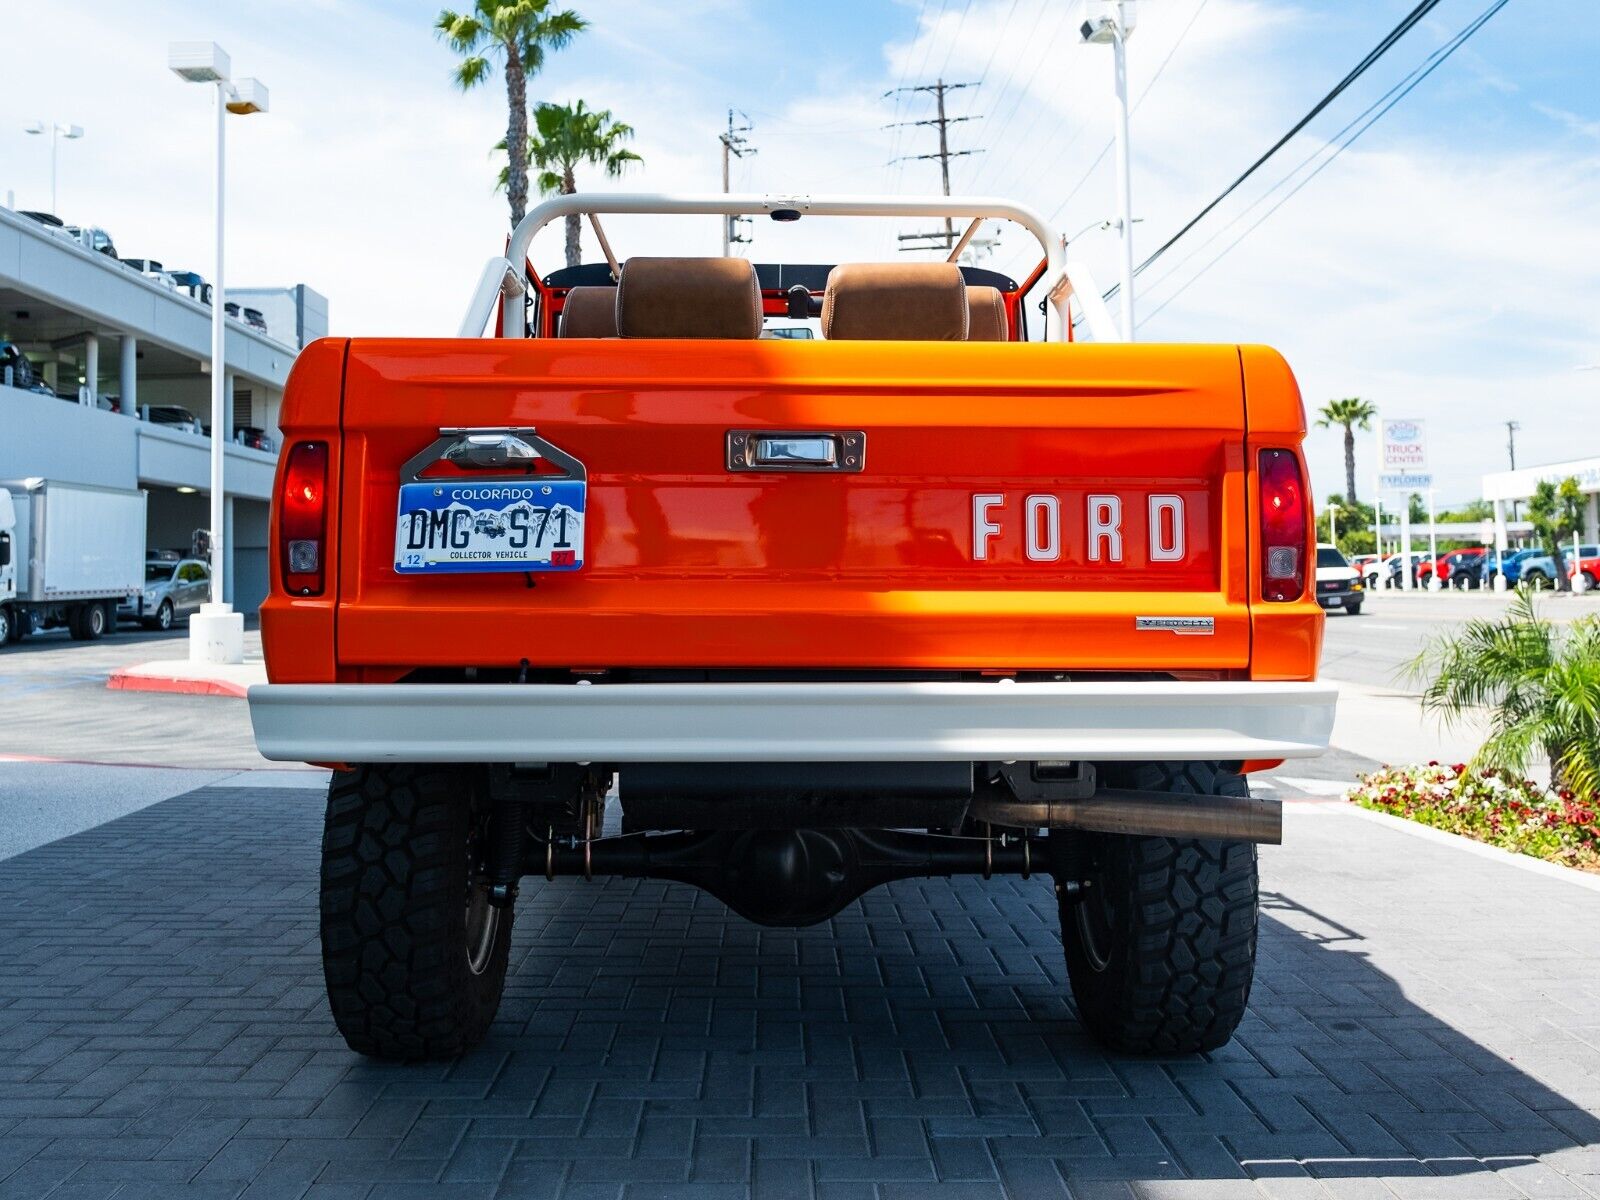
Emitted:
pixel 508 849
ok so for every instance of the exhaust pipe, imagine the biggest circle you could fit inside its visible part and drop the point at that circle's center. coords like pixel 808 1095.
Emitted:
pixel 1151 814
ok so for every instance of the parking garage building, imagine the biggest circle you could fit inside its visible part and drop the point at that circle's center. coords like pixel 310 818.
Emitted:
pixel 106 343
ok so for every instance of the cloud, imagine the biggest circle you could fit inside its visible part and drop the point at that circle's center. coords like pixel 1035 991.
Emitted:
pixel 1444 267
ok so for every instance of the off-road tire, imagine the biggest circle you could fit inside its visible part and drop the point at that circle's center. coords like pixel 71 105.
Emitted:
pixel 1161 944
pixel 398 891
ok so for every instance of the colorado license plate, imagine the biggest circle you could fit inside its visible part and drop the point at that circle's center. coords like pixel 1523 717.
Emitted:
pixel 451 526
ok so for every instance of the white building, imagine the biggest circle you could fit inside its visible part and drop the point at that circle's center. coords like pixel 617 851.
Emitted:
pixel 1502 487
pixel 102 342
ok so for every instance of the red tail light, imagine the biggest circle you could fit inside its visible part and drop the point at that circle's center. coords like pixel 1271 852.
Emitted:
pixel 1283 525
pixel 303 518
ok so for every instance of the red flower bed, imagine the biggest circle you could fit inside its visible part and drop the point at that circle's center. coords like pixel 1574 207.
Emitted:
pixel 1490 806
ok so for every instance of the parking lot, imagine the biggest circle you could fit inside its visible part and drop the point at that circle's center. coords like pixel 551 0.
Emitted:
pixel 1425 1020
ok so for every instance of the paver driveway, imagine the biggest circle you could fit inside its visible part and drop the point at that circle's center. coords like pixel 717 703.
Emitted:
pixel 1425 1023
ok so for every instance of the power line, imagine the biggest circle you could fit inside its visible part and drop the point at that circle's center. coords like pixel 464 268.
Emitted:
pixel 1020 143
pixel 1000 93
pixel 955 38
pixel 1372 56
pixel 944 153
pixel 905 74
pixel 1398 94
pixel 1414 73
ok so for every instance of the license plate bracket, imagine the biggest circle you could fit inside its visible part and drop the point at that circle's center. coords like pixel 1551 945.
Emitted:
pixel 468 523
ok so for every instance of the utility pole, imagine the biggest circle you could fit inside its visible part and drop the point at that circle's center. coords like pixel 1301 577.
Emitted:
pixel 945 154
pixel 734 143
pixel 1511 449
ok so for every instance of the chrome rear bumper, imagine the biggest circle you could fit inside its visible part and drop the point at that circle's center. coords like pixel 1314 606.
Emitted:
pixel 790 722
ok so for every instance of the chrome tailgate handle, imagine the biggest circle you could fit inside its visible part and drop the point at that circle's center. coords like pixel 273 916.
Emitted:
pixel 808 450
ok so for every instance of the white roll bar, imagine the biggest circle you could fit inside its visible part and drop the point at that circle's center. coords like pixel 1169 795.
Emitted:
pixel 500 279
pixel 1057 276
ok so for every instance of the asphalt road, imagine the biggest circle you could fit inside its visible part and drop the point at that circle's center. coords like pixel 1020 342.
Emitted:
pixel 1374 648
pixel 58 706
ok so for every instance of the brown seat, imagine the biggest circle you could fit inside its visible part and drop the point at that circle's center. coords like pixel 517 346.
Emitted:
pixel 688 298
pixel 589 312
pixel 895 302
pixel 986 316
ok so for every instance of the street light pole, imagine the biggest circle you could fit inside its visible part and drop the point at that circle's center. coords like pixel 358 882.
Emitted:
pixel 1113 27
pixel 1124 168
pixel 56 131
pixel 219 374
pixel 216 632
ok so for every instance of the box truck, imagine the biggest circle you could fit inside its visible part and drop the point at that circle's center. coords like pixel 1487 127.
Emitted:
pixel 69 554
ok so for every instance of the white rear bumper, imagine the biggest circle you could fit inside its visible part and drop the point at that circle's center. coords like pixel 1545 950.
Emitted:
pixel 790 722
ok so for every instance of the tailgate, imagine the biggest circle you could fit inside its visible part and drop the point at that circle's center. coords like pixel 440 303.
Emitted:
pixel 690 564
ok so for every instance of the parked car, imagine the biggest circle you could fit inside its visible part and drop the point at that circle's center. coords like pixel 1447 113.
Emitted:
pixel 1339 585
pixel 192 283
pixel 1510 563
pixel 174 586
pixel 50 221
pixel 13 360
pixel 172 416
pixel 93 238
pixel 1539 570
pixel 1392 566
pixel 1456 568
pixel 1589 567
pixel 256 439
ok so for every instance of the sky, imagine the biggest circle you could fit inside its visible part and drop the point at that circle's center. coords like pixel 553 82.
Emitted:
pixel 1446 266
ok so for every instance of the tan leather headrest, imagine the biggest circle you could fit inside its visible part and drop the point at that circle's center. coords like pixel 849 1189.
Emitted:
pixel 688 298
pixel 986 315
pixel 895 302
pixel 590 312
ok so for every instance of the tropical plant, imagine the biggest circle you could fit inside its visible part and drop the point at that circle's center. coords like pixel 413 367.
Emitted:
pixel 1540 687
pixel 1556 512
pixel 519 33
pixel 567 136
pixel 1352 413
pixel 1354 524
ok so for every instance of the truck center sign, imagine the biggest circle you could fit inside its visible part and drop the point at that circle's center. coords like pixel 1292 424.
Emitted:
pixel 1404 456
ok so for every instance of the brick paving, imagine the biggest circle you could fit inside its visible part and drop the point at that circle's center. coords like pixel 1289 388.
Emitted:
pixel 1425 1024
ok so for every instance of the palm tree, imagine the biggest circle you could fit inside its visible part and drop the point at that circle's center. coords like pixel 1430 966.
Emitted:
pixel 1353 413
pixel 519 33
pixel 1542 690
pixel 567 136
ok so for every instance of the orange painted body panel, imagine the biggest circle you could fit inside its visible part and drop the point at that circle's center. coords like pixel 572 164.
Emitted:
pixel 690 565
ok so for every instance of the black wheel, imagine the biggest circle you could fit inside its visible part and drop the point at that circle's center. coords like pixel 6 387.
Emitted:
pixel 8 629
pixel 413 953
pixel 1537 580
pixel 1353 607
pixel 163 618
pixel 89 623
pixel 1161 940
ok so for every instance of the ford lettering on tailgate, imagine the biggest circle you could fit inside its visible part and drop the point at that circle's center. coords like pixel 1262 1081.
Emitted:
pixel 446 527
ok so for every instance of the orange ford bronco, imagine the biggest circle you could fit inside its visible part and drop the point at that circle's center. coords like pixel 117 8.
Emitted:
pixel 826 577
